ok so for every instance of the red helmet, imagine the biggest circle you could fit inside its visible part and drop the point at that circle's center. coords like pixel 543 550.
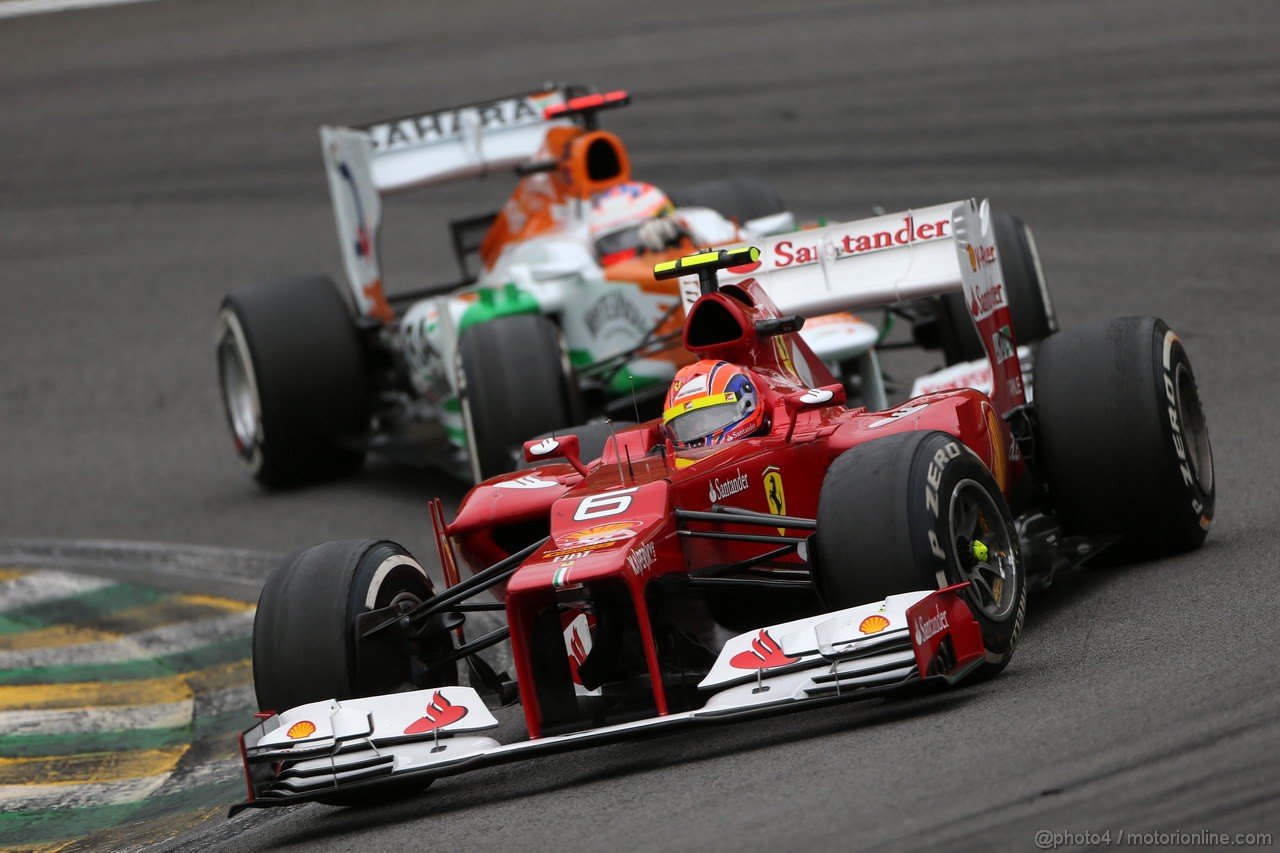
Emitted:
pixel 712 402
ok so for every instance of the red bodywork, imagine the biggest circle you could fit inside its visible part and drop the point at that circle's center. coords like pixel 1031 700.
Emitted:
pixel 613 534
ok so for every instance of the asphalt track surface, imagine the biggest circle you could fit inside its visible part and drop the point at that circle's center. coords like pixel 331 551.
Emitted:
pixel 157 155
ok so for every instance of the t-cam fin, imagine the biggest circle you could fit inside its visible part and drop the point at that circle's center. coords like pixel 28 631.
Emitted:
pixel 705 264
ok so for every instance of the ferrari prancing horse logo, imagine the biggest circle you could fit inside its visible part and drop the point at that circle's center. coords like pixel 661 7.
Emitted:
pixel 774 494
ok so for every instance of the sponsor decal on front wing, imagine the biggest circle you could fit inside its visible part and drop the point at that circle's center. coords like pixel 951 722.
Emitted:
pixel 765 653
pixel 440 712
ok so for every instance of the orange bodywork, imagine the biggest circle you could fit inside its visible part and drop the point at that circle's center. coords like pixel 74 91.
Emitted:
pixel 587 163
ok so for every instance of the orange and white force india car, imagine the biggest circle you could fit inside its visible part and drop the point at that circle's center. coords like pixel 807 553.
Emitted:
pixel 826 554
pixel 557 318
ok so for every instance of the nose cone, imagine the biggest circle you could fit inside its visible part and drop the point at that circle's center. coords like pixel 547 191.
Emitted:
pixel 597 534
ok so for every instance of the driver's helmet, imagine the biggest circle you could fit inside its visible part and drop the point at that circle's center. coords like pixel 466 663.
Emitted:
pixel 617 214
pixel 711 402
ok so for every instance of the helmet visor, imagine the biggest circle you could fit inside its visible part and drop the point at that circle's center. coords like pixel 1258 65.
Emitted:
pixel 619 242
pixel 689 425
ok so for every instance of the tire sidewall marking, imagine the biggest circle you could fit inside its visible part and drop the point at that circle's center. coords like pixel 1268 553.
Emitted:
pixel 1173 360
pixel 933 481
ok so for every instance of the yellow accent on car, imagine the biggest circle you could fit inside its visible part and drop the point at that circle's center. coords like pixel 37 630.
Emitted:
pixel 716 258
pixel 690 261
pixel 700 403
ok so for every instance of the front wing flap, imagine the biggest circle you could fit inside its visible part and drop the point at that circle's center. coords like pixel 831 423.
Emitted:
pixel 313 750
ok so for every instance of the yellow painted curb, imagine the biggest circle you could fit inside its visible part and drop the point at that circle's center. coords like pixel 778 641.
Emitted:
pixel 90 767
pixel 149 691
pixel 52 637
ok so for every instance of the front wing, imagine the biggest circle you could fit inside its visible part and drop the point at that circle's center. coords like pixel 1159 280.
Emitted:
pixel 315 750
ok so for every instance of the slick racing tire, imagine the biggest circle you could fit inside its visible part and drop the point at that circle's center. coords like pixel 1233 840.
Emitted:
pixel 1030 304
pixel 740 198
pixel 306 647
pixel 291 372
pixel 1123 443
pixel 900 514
pixel 514 381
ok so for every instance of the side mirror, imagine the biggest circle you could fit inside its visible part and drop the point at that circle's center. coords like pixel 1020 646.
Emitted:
pixel 555 447
pixel 813 398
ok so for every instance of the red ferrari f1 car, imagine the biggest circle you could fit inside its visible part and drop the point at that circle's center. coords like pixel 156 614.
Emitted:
pixel 758 548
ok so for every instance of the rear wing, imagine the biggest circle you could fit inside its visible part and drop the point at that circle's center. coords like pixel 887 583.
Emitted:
pixel 364 163
pixel 871 263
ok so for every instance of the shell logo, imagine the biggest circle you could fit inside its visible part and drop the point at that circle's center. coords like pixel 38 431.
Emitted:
pixel 306 728
pixel 873 624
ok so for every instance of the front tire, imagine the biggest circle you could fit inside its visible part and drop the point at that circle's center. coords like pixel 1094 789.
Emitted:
pixel 515 381
pixel 306 647
pixel 901 514
pixel 291 372
pixel 1123 440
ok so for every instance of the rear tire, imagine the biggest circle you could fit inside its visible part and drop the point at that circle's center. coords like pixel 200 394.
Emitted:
pixel 739 198
pixel 898 514
pixel 305 644
pixel 291 372
pixel 1123 442
pixel 1030 304
pixel 515 381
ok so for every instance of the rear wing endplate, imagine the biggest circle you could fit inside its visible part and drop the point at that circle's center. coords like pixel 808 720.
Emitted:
pixel 364 163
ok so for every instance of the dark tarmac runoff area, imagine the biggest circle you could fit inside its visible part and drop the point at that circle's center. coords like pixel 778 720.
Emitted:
pixel 159 154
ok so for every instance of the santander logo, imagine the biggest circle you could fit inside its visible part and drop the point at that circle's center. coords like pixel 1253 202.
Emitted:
pixel 440 714
pixel 927 629
pixel 721 489
pixel 986 300
pixel 764 653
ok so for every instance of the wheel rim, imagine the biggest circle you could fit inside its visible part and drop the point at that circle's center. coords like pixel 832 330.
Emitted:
pixel 399 581
pixel 1195 432
pixel 239 392
pixel 975 518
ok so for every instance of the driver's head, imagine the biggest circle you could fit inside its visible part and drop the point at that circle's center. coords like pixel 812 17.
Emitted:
pixel 711 402
pixel 617 214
